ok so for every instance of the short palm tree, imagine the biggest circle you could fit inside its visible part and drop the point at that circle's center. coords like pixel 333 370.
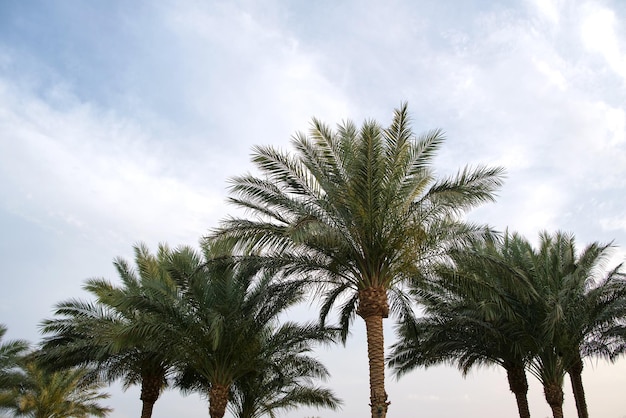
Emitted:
pixel 91 333
pixel 215 321
pixel 60 394
pixel 472 315
pixel 581 299
pixel 357 211
pixel 11 376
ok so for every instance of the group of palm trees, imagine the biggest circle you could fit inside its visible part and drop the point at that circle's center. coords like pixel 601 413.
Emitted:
pixel 356 217
pixel 506 303
pixel 204 324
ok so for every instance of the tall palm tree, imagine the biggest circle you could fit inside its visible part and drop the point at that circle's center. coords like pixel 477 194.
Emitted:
pixel 471 315
pixel 91 333
pixel 358 211
pixel 61 394
pixel 11 376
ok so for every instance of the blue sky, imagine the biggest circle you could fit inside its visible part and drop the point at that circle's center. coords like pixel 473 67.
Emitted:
pixel 121 122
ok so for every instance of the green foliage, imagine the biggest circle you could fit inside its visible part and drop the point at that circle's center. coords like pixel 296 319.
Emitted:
pixel 61 394
pixel 206 319
pixel 357 212
pixel 285 374
pixel 473 314
pixel 354 208
pixel 11 375
pixel 95 333
pixel 506 303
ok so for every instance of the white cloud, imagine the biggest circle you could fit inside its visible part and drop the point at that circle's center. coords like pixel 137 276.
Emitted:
pixel 549 9
pixel 599 34
pixel 616 126
pixel 553 75
pixel 251 75
pixel 92 170
pixel 614 223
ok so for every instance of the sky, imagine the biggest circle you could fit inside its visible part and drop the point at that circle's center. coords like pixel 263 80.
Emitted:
pixel 121 122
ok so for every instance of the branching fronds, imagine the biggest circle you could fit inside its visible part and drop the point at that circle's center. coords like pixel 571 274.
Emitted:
pixel 357 207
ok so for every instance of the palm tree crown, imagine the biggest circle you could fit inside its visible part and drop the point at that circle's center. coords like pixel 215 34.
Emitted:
pixel 60 394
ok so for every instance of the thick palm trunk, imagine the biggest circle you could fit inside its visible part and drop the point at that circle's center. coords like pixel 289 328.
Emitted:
pixel 218 399
pixel 150 391
pixel 373 307
pixel 575 375
pixel 554 395
pixel 519 386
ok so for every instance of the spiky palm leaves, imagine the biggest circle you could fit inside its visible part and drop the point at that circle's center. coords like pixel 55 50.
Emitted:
pixel 92 333
pixel 357 211
pixel 219 324
pixel 472 316
pixel 212 322
pixel 11 376
pixel 60 394
pixel 555 311
pixel 26 389
pixel 581 300
pixel 285 376
pixel 232 309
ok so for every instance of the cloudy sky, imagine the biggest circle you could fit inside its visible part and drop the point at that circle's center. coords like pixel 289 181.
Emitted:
pixel 121 122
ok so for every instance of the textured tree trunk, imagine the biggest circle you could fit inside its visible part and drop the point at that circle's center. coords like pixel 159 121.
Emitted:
pixel 373 307
pixel 146 409
pixel 150 391
pixel 519 386
pixel 575 375
pixel 554 396
pixel 218 398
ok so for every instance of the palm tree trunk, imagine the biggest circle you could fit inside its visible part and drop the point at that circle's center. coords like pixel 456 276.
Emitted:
pixel 575 375
pixel 519 386
pixel 554 395
pixel 373 307
pixel 146 409
pixel 150 391
pixel 218 399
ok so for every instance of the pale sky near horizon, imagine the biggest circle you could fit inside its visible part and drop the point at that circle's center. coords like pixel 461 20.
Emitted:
pixel 121 122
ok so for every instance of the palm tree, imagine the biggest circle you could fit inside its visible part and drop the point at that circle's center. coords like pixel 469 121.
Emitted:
pixel 91 333
pixel 61 394
pixel 581 299
pixel 215 321
pixel 285 376
pixel 11 376
pixel 471 316
pixel 357 211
